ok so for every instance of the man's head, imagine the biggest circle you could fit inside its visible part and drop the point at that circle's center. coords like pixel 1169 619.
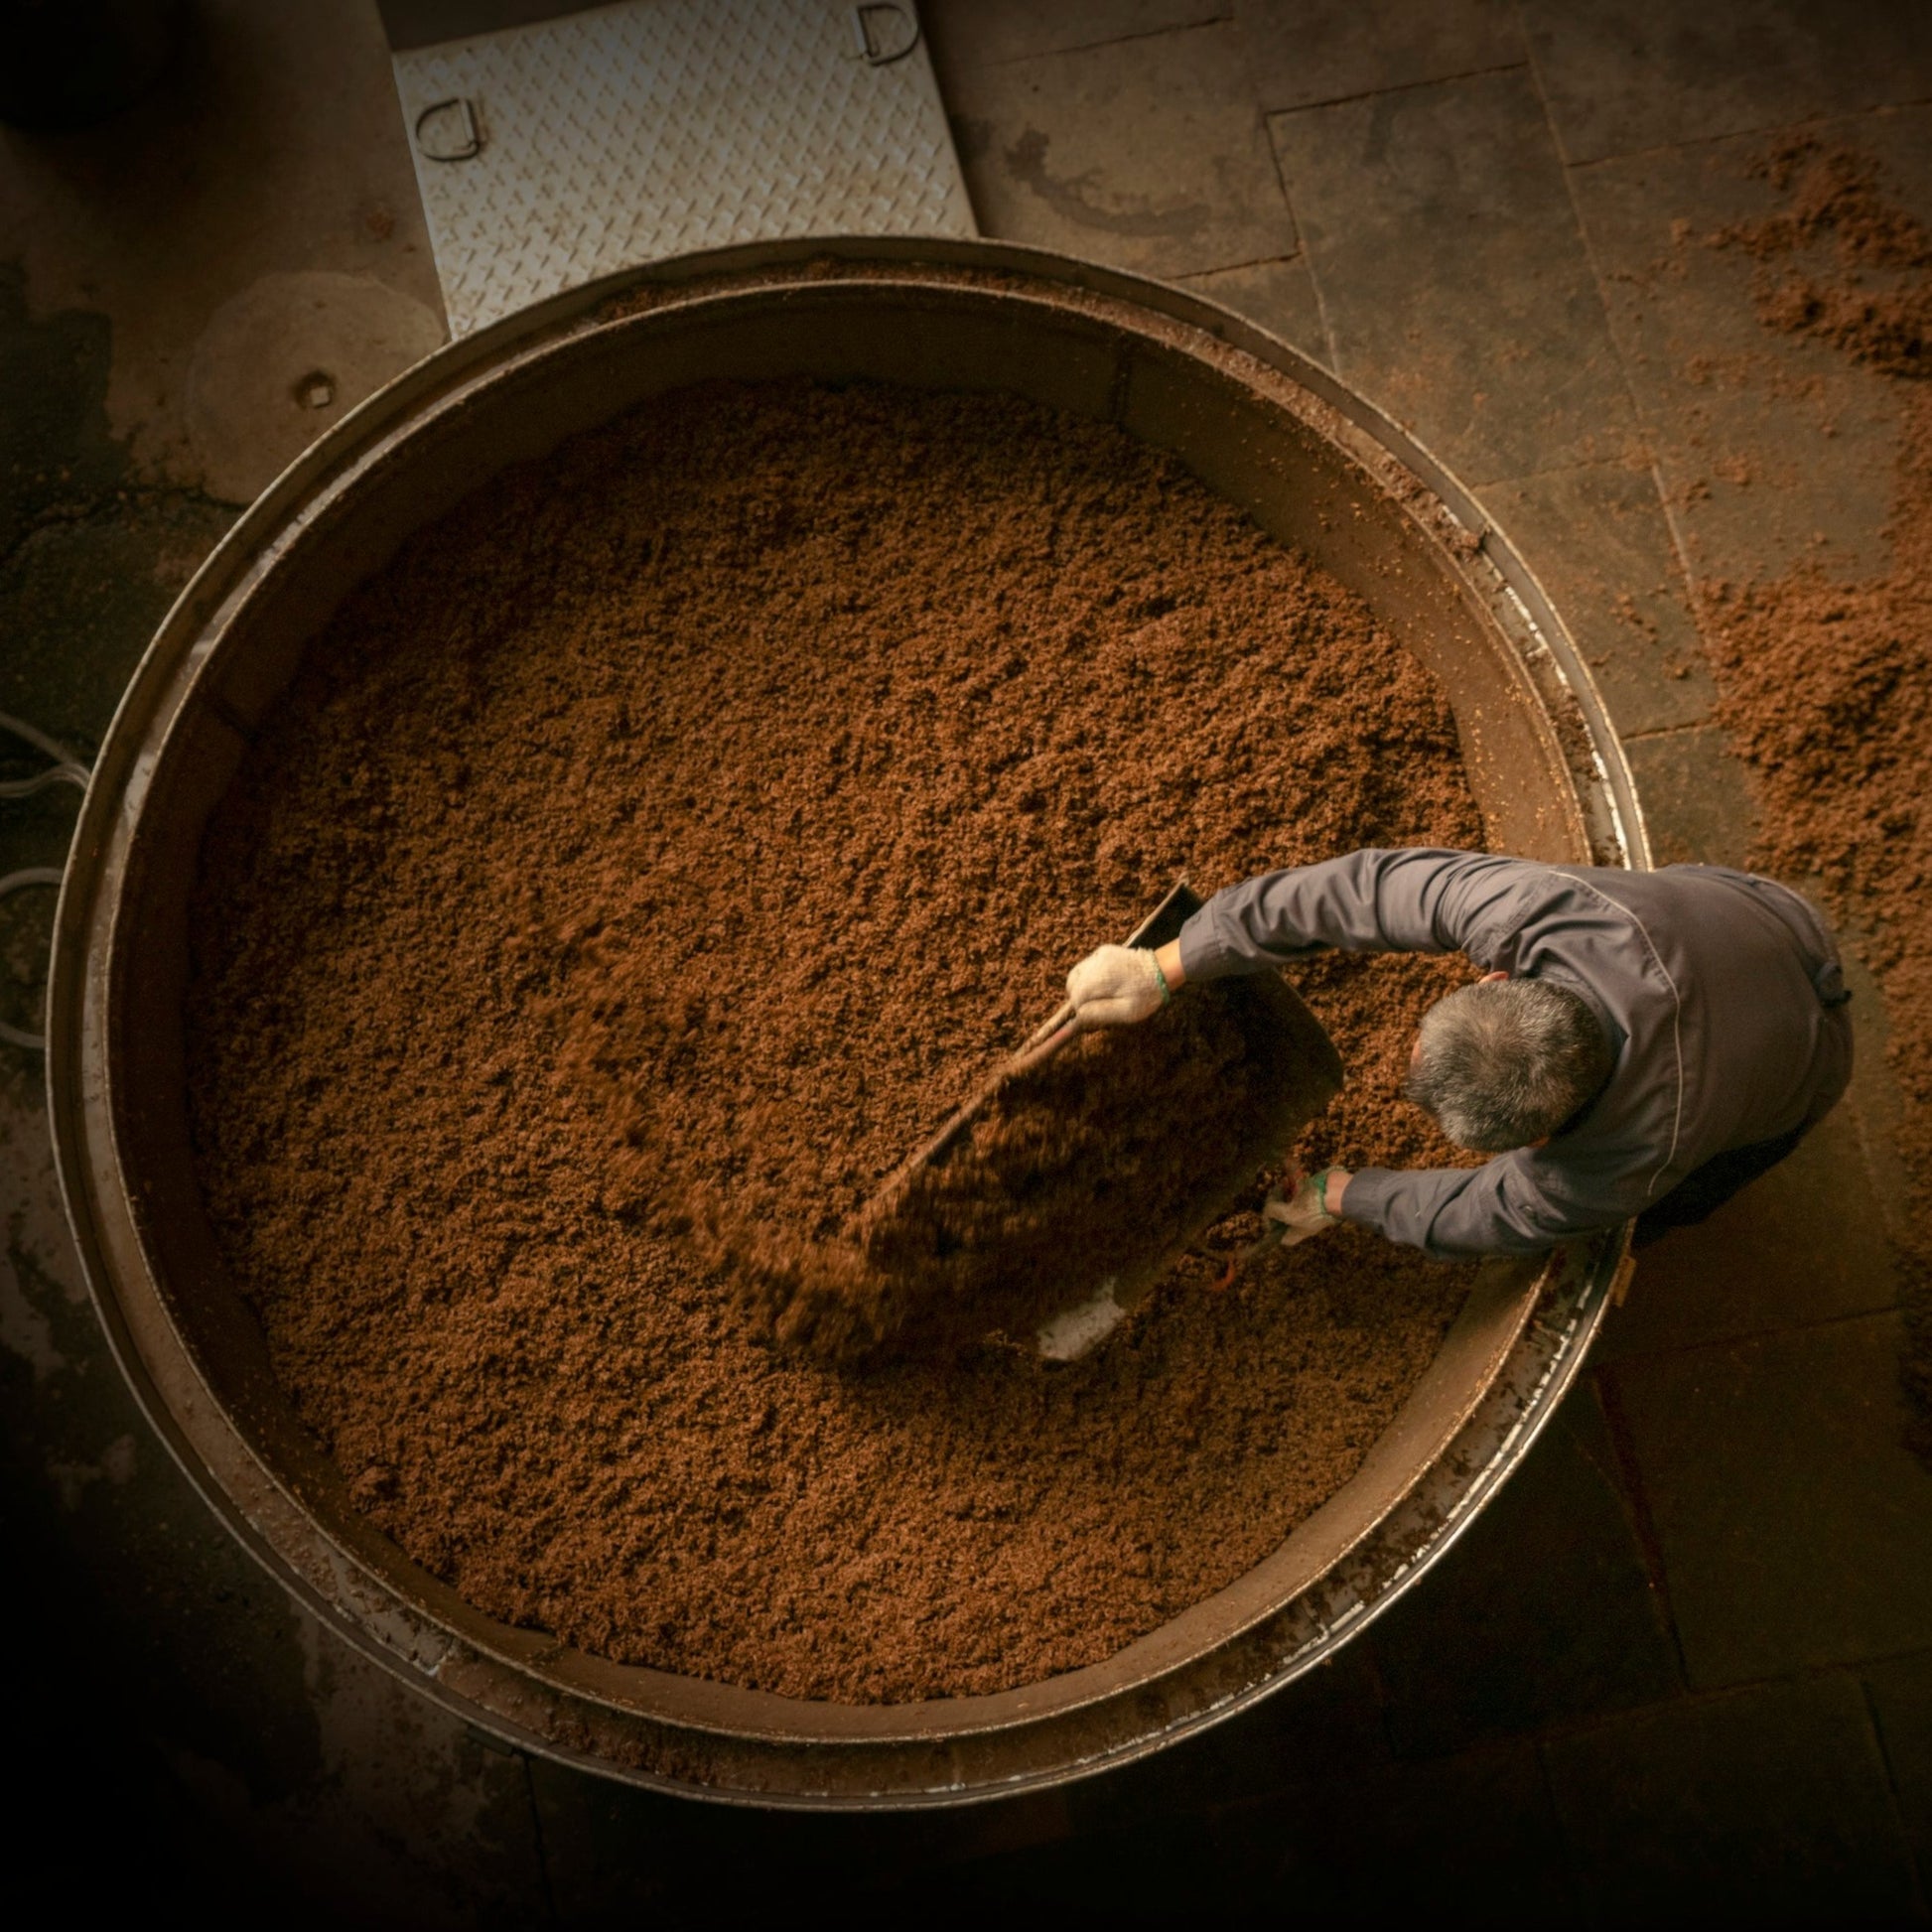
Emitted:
pixel 1505 1062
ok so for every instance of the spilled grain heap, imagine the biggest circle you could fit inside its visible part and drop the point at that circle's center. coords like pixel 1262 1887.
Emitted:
pixel 1826 686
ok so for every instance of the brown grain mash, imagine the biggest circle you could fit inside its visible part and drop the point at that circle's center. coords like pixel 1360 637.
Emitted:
pixel 1826 686
pixel 708 807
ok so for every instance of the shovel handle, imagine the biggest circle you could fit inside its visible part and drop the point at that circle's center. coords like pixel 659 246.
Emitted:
pixel 1047 1042
pixel 1051 1035
pixel 1046 1027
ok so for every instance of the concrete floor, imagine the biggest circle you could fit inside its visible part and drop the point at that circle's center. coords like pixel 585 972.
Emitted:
pixel 1687 1659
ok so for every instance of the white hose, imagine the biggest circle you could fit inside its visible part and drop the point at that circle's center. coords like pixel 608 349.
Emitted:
pixel 39 741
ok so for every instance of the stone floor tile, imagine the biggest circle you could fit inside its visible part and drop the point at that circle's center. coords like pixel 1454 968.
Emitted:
pixel 83 597
pixel 1767 1806
pixel 1145 152
pixel 1772 451
pixel 1768 1259
pixel 1899 1693
pixel 273 159
pixel 981 33
pixel 1457 292
pixel 89 566
pixel 1279 295
pixel 1321 1728
pixel 1696 798
pixel 613 1851
pixel 1170 1865
pixel 1478 1826
pixel 1794 1527
pixel 1303 52
pixel 1366 1839
pixel 1627 75
pixel 1599 540
pixel 1874 1100
pixel 56 448
pixel 1541 1614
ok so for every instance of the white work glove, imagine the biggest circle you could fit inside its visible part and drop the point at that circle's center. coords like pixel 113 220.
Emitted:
pixel 1303 1214
pixel 1116 986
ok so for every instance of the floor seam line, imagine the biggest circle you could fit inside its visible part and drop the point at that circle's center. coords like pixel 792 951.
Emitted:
pixel 1646 431
pixel 1761 1335
pixel 1636 1500
pixel 1876 1729
pixel 1400 88
pixel 1260 261
pixel 1093 47
pixel 1561 1730
pixel 1743 133
pixel 1305 251
pixel 536 1831
pixel 1571 1884
pixel 1638 420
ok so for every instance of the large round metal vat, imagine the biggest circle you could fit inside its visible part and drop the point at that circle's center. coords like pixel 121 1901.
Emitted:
pixel 1309 461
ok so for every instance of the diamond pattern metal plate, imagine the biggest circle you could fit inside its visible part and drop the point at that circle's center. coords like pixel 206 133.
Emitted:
pixel 553 154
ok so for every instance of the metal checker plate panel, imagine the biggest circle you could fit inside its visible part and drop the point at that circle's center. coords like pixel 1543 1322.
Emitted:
pixel 623 135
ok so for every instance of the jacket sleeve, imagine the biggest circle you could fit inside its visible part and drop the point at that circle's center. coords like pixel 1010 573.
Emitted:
pixel 1519 1203
pixel 1411 899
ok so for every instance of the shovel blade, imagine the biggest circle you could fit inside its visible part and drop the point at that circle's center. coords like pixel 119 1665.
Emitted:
pixel 1094 1308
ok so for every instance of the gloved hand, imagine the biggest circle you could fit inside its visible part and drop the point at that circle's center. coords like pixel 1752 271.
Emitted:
pixel 1303 1214
pixel 1115 985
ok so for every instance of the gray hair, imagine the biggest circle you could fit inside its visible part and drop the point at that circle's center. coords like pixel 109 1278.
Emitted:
pixel 1506 1063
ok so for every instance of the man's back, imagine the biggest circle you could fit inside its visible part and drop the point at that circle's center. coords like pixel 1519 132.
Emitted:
pixel 1715 990
pixel 1743 955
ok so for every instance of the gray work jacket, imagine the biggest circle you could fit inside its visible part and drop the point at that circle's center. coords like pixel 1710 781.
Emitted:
pixel 1719 993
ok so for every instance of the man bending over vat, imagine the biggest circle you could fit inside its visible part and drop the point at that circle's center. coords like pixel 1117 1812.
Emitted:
pixel 1640 1045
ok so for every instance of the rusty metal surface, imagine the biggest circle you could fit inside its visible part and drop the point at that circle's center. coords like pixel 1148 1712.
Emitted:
pixel 1310 461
